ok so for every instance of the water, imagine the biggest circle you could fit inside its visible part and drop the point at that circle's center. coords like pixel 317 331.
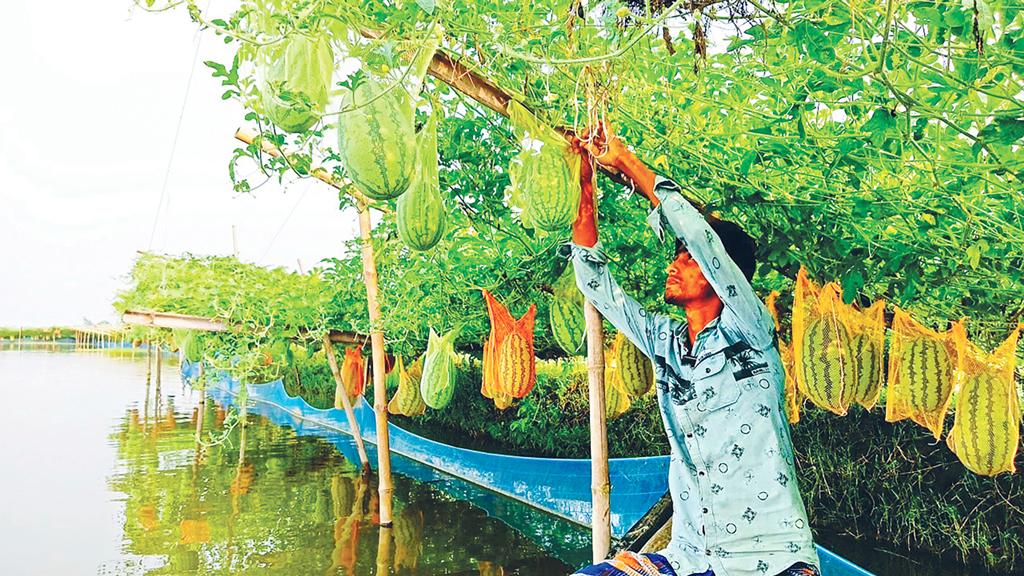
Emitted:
pixel 102 476
pixel 98 480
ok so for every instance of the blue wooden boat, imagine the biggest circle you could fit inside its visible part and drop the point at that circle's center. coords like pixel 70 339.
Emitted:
pixel 557 486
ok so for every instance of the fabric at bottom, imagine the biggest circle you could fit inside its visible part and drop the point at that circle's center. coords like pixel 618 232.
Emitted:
pixel 631 564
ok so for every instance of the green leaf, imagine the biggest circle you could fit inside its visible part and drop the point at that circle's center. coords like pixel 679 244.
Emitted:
pixel 881 121
pixel 974 256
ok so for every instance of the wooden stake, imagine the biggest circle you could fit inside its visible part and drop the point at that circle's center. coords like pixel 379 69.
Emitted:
pixel 341 401
pixel 600 485
pixel 149 362
pixel 380 394
pixel 159 365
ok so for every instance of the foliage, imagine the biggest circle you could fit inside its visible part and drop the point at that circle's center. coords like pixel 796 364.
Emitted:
pixel 876 142
pixel 265 309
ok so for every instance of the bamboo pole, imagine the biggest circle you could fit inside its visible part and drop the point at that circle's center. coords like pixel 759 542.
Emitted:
pixel 159 365
pixel 600 485
pixel 149 361
pixel 341 401
pixel 380 393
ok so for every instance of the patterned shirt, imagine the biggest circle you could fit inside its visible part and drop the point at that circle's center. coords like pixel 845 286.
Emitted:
pixel 736 504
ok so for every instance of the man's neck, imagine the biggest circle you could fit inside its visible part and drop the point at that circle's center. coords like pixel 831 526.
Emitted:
pixel 700 313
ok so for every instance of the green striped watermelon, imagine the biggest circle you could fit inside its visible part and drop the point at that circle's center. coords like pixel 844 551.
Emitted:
pixel 926 371
pixel 544 183
pixel 437 384
pixel 824 363
pixel 295 79
pixel 376 138
pixel 420 212
pixel 568 325
pixel 986 432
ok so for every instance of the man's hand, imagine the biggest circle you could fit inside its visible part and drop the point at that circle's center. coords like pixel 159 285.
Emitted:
pixel 607 149
pixel 610 152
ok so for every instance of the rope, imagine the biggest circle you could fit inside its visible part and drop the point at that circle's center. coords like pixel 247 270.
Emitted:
pixel 177 133
pixel 284 223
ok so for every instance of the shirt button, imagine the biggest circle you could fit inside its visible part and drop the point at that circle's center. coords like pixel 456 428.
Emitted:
pixel 708 552
pixel 689 435
pixel 707 370
pixel 705 510
pixel 701 473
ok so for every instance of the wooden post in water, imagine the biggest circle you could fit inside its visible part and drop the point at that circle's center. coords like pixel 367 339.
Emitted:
pixel 380 393
pixel 341 401
pixel 600 485
pixel 149 361
pixel 159 365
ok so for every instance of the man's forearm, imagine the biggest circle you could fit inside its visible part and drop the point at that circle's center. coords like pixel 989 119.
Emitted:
pixel 642 177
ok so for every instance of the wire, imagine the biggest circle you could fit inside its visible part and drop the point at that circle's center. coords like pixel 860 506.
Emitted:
pixel 177 133
pixel 285 222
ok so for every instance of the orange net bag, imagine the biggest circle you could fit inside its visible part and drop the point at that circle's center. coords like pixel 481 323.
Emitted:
pixel 923 366
pixel 986 428
pixel 353 373
pixel 510 368
pixel 793 398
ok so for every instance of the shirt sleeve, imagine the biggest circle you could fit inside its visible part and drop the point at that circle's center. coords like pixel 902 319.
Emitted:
pixel 626 314
pixel 744 313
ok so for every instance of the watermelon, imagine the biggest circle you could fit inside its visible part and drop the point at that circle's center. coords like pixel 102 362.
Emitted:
pixel 420 212
pixel 295 77
pixel 376 132
pixel 825 364
pixel 926 371
pixel 635 371
pixel 407 401
pixel 437 385
pixel 568 325
pixel 544 175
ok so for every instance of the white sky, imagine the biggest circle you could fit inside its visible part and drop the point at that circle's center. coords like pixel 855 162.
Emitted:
pixel 90 97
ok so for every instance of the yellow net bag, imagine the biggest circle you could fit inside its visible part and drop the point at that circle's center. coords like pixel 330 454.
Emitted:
pixel 923 366
pixel 986 429
pixel 793 398
pixel 823 358
pixel 867 330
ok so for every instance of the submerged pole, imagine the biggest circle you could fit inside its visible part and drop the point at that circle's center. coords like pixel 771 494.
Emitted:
pixel 600 485
pixel 159 365
pixel 341 401
pixel 380 394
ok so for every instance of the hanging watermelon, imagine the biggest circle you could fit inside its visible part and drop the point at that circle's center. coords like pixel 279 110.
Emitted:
pixel 437 385
pixel 295 80
pixel 420 212
pixel 616 399
pixel 544 175
pixel 566 313
pixel 407 401
pixel 634 370
pixel 512 349
pixel 353 369
pixel 376 132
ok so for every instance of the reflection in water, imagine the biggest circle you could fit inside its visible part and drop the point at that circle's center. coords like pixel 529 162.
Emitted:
pixel 206 491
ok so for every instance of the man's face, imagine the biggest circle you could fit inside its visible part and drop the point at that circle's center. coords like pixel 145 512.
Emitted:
pixel 686 283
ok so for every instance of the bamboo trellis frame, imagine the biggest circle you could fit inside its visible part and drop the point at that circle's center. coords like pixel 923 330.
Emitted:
pixel 450 71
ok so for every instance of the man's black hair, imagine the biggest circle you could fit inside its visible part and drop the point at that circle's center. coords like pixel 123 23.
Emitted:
pixel 738 245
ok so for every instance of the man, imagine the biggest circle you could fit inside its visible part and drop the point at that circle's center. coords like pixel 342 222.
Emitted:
pixel 737 509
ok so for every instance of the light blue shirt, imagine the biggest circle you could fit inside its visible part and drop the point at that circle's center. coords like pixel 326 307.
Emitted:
pixel 737 508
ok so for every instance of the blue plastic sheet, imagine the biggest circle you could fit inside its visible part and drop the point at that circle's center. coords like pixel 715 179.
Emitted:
pixel 558 486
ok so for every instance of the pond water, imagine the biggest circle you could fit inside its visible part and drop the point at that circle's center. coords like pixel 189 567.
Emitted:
pixel 104 474
pixel 100 480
